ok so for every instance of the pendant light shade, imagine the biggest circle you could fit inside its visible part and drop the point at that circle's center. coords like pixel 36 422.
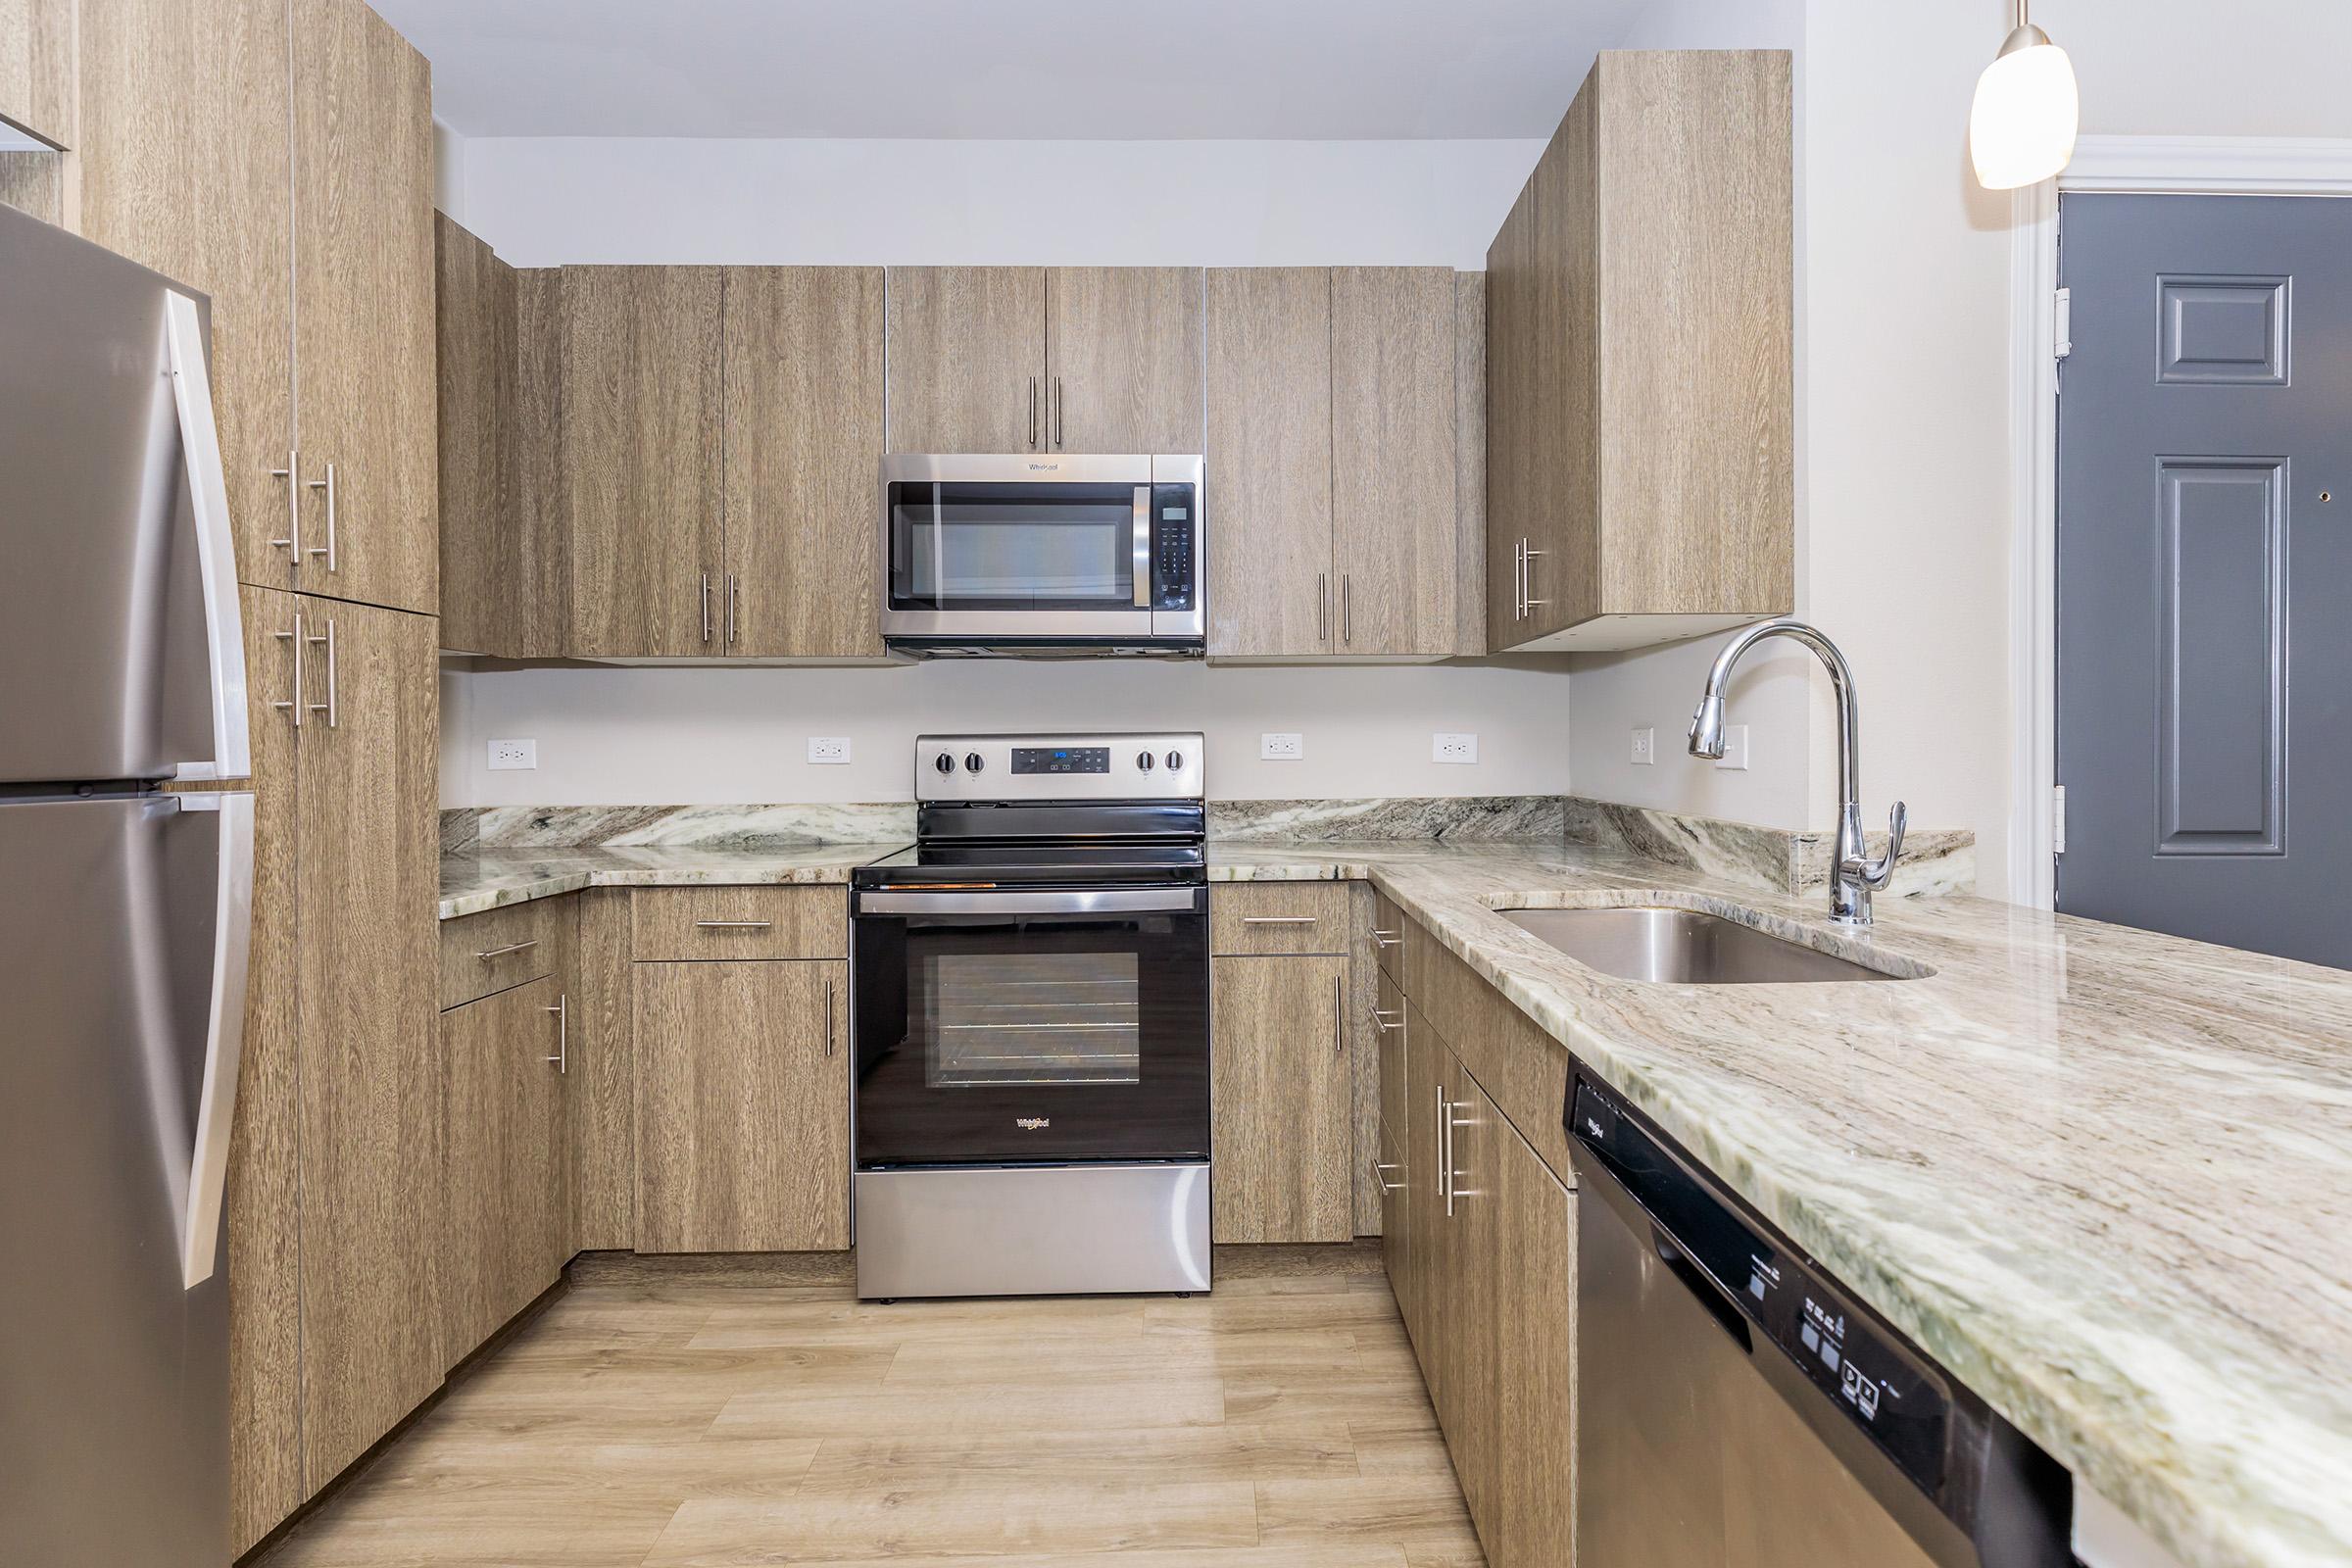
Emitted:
pixel 2021 128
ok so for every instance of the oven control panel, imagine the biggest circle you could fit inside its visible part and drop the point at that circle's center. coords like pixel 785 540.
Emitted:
pixel 1144 766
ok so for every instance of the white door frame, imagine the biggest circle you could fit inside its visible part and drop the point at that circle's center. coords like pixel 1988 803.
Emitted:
pixel 2209 166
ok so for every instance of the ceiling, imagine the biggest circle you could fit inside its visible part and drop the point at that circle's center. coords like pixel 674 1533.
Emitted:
pixel 1087 70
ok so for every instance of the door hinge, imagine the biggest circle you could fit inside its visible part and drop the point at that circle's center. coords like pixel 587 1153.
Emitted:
pixel 2058 819
pixel 2062 323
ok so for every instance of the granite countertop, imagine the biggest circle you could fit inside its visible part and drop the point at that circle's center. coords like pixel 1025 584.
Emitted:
pixel 2103 1176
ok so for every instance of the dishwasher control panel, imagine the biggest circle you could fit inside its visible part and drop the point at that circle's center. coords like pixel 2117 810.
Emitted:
pixel 1884 1391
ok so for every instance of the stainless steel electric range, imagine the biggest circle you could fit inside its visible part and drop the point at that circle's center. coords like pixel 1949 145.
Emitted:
pixel 1032 1023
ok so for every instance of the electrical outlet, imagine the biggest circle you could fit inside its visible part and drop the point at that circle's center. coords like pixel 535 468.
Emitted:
pixel 1645 747
pixel 828 748
pixel 1444 748
pixel 507 755
pixel 1735 748
pixel 1272 748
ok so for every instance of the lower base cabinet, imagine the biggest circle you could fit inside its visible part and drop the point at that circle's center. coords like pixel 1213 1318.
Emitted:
pixel 507 1235
pixel 743 1105
pixel 1481 1253
pixel 1283 1124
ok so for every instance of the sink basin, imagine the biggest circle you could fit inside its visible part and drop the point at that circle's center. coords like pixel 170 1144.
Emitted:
pixel 1684 947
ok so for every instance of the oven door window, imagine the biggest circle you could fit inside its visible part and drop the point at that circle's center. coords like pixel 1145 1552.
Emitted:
pixel 1011 547
pixel 1018 1039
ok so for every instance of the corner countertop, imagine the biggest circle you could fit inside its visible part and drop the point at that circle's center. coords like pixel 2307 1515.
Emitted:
pixel 2103 1176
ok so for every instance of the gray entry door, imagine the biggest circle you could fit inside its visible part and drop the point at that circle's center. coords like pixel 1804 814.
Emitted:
pixel 2205 570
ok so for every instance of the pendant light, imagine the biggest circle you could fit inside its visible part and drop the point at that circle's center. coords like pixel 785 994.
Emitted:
pixel 2021 128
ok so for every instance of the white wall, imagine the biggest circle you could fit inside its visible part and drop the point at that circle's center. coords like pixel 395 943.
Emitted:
pixel 644 736
pixel 673 736
pixel 545 201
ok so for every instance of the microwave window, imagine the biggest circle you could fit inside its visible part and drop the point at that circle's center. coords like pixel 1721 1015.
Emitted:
pixel 1012 548
pixel 997 1019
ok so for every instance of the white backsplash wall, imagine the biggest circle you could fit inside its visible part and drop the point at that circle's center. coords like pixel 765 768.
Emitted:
pixel 685 737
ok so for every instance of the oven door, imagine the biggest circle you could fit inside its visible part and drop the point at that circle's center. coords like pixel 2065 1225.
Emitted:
pixel 1031 1025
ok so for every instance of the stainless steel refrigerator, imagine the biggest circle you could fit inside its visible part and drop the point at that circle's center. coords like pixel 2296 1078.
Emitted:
pixel 124 912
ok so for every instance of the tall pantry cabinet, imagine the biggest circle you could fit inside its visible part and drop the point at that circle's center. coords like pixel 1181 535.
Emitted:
pixel 277 154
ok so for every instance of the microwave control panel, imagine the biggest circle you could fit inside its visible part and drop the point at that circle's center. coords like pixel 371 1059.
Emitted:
pixel 1174 515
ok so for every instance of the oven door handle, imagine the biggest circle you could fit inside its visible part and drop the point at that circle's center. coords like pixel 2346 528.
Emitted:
pixel 1086 900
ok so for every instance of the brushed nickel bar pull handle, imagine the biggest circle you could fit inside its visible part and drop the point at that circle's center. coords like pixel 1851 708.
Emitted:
pixel 1386 939
pixel 1445 1151
pixel 562 1060
pixel 1380 1180
pixel 292 542
pixel 332 682
pixel 295 637
pixel 745 925
pixel 1279 919
pixel 1339 1018
pixel 734 593
pixel 706 607
pixel 828 1018
pixel 1061 405
pixel 1383 1016
pixel 1347 607
pixel 328 550
pixel 1322 607
pixel 1033 414
pixel 1519 580
pixel 1528 572
pixel 511 947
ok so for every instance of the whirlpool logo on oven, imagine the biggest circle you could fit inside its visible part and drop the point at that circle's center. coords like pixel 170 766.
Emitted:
pixel 1033 1124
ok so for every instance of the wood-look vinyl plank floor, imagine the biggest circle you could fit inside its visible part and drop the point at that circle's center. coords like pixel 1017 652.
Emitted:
pixel 714 1417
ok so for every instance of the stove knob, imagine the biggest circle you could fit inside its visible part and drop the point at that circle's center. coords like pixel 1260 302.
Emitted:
pixel 1144 761
pixel 945 763
pixel 973 761
pixel 1175 761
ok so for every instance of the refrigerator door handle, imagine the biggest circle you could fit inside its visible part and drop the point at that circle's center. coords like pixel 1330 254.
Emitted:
pixel 224 1032
pixel 216 552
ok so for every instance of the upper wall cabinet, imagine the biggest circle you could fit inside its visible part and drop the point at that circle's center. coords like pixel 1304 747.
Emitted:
pixel 721 431
pixel 1335 433
pixel 36 67
pixel 305 212
pixel 1638 349
pixel 1030 358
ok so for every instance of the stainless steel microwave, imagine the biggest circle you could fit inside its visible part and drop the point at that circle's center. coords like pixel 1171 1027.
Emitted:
pixel 1044 553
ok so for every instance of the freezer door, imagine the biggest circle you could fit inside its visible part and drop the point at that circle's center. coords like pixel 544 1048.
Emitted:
pixel 119 651
pixel 124 923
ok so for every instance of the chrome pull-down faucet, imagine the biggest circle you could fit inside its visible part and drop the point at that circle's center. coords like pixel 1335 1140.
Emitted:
pixel 1853 876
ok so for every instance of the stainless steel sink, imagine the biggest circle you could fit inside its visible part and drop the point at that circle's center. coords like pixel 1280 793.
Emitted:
pixel 1685 947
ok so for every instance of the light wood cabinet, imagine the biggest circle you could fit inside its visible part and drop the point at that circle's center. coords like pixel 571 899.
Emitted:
pixel 1282 1123
pixel 506 1226
pixel 968 359
pixel 642 455
pixel 36 67
pixel 278 156
pixel 1638 360
pixel 1395 539
pixel 743 1105
pixel 504 550
pixel 1123 348
pixel 1334 429
pixel 804 411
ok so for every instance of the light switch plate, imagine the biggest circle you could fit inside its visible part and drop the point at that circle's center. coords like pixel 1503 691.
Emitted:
pixel 510 754
pixel 1735 748
pixel 1448 748
pixel 1646 748
pixel 1273 748
pixel 829 749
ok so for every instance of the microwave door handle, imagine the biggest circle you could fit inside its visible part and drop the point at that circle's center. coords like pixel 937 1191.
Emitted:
pixel 1143 547
pixel 215 554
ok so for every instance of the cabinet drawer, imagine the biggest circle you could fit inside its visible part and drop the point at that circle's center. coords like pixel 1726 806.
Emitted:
pixel 757 922
pixel 487 952
pixel 1391 930
pixel 1246 917
pixel 1388 1025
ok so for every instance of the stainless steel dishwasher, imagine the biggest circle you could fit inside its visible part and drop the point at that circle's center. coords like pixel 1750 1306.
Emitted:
pixel 1738 1408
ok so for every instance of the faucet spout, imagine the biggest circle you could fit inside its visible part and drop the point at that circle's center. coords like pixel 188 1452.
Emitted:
pixel 1855 875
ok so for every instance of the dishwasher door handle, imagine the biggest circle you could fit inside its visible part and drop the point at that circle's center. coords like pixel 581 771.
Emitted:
pixel 1721 1307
